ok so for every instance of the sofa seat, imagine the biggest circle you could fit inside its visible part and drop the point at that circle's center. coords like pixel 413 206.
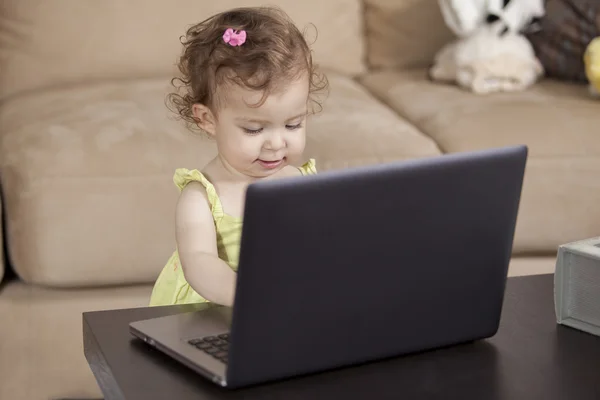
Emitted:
pixel 559 122
pixel 41 340
pixel 2 255
pixel 45 333
pixel 88 182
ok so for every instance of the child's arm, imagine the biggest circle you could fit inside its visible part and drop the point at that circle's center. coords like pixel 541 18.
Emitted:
pixel 196 239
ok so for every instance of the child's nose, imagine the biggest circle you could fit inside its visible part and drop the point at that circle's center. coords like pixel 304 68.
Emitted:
pixel 275 142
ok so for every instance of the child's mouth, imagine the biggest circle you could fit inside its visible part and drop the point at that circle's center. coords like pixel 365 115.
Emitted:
pixel 270 164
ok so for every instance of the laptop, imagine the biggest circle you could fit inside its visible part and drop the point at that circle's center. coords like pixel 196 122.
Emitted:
pixel 356 265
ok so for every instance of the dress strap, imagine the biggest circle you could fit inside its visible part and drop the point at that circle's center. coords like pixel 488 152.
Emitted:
pixel 184 176
pixel 309 168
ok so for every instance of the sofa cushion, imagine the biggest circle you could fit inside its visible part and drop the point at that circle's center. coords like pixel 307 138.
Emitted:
pixel 559 122
pixel 2 265
pixel 357 129
pixel 404 33
pixel 41 340
pixel 536 265
pixel 88 182
pixel 49 43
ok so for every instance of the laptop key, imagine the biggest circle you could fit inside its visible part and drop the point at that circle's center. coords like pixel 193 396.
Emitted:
pixel 216 346
pixel 221 354
pixel 204 345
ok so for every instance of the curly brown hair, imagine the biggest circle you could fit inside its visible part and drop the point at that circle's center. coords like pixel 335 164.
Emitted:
pixel 274 53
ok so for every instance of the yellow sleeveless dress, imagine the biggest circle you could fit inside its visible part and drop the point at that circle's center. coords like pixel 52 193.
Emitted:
pixel 171 287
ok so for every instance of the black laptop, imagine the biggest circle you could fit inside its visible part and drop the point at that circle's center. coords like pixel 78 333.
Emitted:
pixel 356 265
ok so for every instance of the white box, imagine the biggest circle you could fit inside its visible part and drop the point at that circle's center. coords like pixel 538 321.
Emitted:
pixel 577 285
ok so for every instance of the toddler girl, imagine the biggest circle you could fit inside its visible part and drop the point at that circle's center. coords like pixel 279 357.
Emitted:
pixel 248 81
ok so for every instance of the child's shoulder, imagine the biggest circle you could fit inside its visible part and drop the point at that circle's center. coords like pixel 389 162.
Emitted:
pixel 196 201
pixel 183 176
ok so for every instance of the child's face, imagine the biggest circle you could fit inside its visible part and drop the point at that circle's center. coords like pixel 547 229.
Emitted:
pixel 260 141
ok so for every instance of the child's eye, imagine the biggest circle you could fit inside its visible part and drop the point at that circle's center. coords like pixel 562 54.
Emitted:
pixel 252 131
pixel 294 127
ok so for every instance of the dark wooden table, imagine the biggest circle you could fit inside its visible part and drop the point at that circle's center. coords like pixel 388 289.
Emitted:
pixel 531 357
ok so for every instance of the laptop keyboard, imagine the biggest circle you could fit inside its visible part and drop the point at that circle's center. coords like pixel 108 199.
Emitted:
pixel 216 346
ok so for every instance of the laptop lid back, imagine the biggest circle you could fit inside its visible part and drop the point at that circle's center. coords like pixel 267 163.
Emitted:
pixel 355 265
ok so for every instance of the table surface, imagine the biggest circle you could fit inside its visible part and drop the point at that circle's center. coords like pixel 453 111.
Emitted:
pixel 531 357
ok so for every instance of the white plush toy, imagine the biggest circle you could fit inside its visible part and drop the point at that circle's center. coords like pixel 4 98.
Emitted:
pixel 491 54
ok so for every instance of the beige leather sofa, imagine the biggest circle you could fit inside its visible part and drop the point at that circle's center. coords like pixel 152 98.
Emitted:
pixel 88 151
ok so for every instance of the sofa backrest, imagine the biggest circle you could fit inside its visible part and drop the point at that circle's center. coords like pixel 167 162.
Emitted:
pixel 403 33
pixel 50 43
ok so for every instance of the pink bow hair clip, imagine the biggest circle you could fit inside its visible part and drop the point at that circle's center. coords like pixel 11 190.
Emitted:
pixel 234 38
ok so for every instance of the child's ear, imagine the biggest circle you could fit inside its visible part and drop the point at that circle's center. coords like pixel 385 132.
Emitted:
pixel 205 118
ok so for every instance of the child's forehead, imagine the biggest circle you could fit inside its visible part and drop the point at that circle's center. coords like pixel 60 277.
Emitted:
pixel 291 95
